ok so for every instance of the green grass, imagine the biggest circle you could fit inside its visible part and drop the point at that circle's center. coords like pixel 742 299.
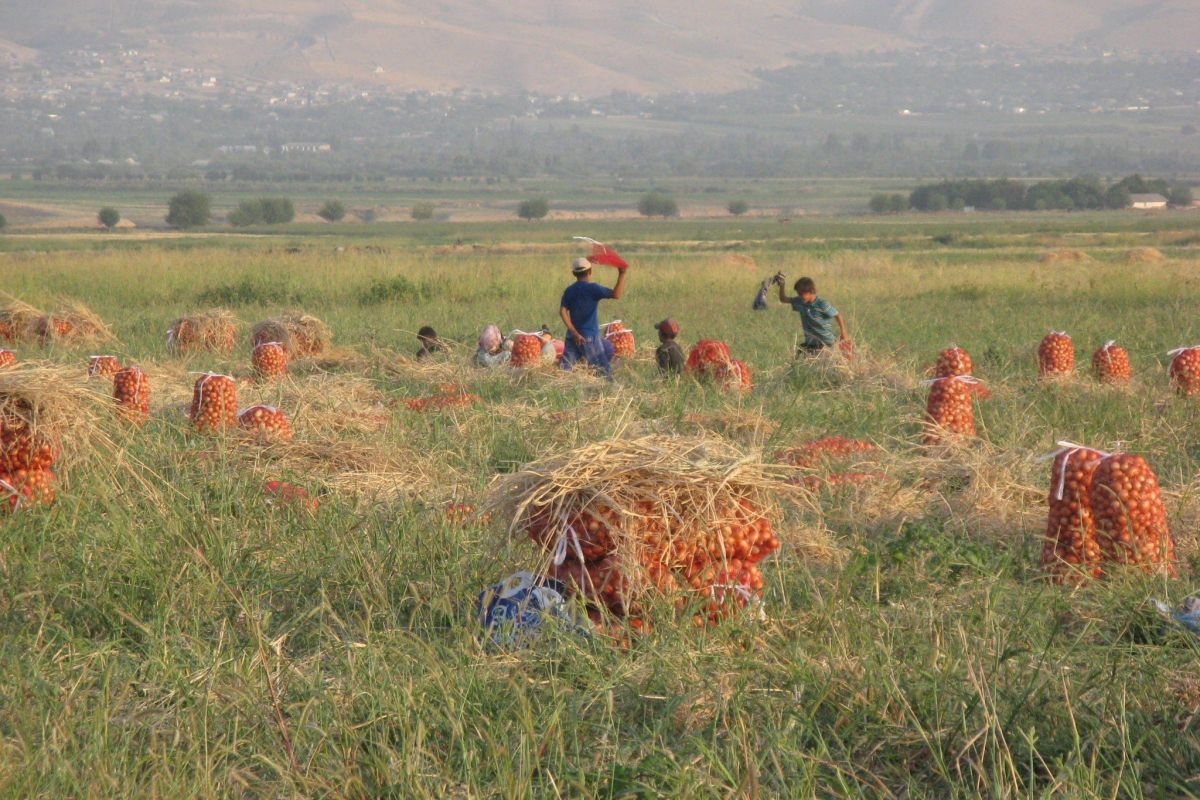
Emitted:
pixel 139 624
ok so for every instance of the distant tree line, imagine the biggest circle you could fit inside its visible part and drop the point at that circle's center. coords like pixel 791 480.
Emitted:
pixel 1074 194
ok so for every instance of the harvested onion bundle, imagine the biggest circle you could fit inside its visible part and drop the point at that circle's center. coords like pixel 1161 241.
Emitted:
pixel 214 402
pixel 265 422
pixel 948 408
pixel 1185 370
pixel 526 350
pixel 1070 551
pixel 951 362
pixel 1110 364
pixel 269 360
pixel 131 390
pixel 1056 355
pixel 103 366
pixel 1131 523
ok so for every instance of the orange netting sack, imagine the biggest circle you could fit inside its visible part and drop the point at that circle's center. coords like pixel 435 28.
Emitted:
pixel 214 402
pixel 526 350
pixel 269 360
pixel 1185 370
pixel 1110 364
pixel 131 391
pixel 1070 551
pixel 1056 355
pixel 266 423
pixel 951 362
pixel 103 366
pixel 1131 523
pixel 948 409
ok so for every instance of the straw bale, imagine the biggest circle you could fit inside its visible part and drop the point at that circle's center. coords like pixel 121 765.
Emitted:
pixel 1142 255
pixel 687 488
pixel 73 321
pixel 57 404
pixel 302 335
pixel 17 318
pixel 213 331
pixel 1062 255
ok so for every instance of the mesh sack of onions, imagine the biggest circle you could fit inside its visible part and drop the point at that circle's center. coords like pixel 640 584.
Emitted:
pixel 1185 370
pixel 27 487
pixel 706 356
pixel 131 391
pixel 1131 523
pixel 103 366
pixel 17 320
pixel 621 338
pixel 7 358
pixel 214 402
pixel 265 422
pixel 269 360
pixel 1056 355
pixel 1110 364
pixel 951 362
pixel 948 409
pixel 1070 551
pixel 526 350
pixel 685 520
pixel 735 375
pixel 826 448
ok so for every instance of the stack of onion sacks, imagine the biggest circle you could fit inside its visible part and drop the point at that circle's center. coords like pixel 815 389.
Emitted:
pixel 948 408
pixel 1056 355
pixel 623 522
pixel 1185 370
pixel 1070 551
pixel 269 360
pixel 214 402
pixel 131 391
pixel 1110 364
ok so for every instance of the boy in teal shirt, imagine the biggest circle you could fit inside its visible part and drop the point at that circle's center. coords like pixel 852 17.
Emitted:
pixel 816 315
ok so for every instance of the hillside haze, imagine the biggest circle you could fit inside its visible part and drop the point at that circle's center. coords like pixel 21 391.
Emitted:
pixel 564 46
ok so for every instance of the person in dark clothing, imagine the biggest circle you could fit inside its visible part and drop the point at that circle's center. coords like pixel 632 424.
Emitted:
pixel 578 312
pixel 669 355
pixel 428 338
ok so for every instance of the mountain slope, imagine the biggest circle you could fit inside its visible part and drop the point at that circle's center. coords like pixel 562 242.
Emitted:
pixel 566 45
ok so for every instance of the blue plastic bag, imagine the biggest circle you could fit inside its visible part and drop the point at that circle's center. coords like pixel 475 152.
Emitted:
pixel 514 611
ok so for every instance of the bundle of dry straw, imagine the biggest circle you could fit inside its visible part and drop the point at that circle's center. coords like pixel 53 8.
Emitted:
pixel 17 319
pixel 623 518
pixel 212 331
pixel 56 405
pixel 301 335
pixel 73 321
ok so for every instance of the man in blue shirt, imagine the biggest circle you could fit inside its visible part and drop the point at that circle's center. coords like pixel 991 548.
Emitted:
pixel 578 310
pixel 816 315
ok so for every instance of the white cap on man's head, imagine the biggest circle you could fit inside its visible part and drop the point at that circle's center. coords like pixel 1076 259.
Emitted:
pixel 581 265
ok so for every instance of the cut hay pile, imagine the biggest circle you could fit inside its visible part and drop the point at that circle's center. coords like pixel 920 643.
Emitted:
pixel 1142 255
pixel 332 403
pixel 73 322
pixel 1064 255
pixel 212 331
pixel 866 369
pixel 17 319
pixel 625 521
pixel 53 407
pixel 300 334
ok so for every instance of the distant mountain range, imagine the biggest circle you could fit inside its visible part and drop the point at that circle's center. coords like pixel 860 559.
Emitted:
pixel 563 46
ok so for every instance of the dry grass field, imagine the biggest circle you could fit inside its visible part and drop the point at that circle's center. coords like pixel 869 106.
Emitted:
pixel 167 628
